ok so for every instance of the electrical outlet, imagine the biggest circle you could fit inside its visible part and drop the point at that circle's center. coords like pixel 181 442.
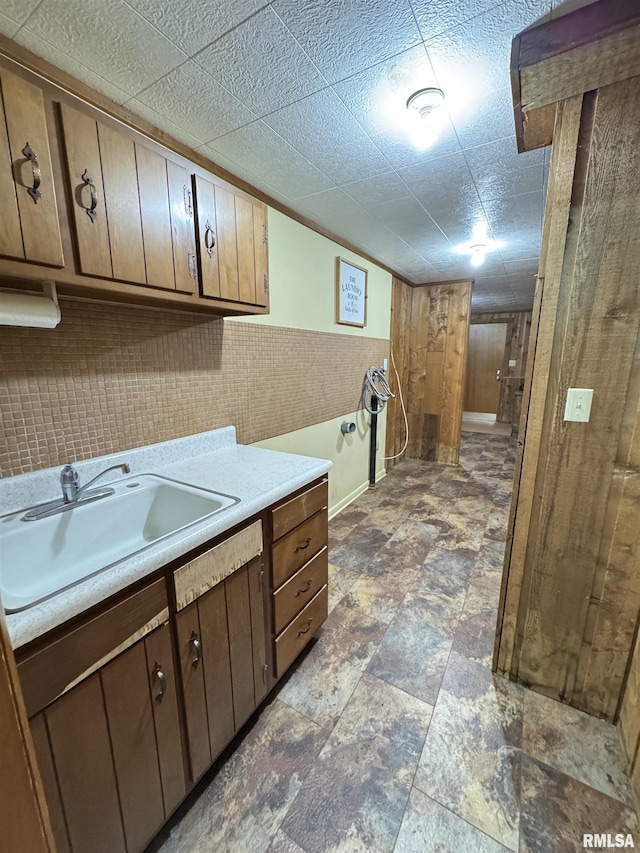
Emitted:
pixel 578 405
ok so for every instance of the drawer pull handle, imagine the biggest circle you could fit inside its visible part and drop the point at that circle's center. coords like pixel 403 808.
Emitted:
pixel 91 211
pixel 305 588
pixel 33 191
pixel 307 629
pixel 303 546
pixel 159 674
pixel 197 647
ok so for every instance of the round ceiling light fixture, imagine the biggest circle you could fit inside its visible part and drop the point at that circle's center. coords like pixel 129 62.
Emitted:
pixel 425 101
pixel 478 253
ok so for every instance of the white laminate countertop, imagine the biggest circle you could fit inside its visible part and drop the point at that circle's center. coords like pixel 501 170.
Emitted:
pixel 211 459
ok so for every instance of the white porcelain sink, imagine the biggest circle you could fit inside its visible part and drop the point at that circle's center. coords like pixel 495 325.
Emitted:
pixel 40 558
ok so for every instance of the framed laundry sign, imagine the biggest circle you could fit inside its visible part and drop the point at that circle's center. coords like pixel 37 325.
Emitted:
pixel 351 294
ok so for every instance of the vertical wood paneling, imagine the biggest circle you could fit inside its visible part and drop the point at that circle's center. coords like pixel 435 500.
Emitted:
pixel 182 233
pixel 436 344
pixel 155 216
pixel 400 314
pixel 246 256
pixel 572 577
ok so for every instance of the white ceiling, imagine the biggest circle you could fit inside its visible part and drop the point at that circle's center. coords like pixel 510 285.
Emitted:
pixel 305 99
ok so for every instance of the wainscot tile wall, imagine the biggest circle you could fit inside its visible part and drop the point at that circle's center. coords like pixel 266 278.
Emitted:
pixel 109 378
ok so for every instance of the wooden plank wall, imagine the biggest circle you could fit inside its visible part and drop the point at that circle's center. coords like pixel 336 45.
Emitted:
pixel 429 336
pixel 400 318
pixel 571 590
pixel 630 719
pixel 517 346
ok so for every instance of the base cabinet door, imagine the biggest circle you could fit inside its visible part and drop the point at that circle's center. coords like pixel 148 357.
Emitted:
pixel 110 752
pixel 223 654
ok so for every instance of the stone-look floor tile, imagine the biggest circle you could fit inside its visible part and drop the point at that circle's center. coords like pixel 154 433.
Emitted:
pixel 462 533
pixel 576 744
pixel 413 654
pixel 412 541
pixel 429 827
pixel 385 518
pixel 245 803
pixel 440 602
pixel 498 524
pixel 457 564
pixel 355 795
pixel 283 844
pixel 471 761
pixel 476 507
pixel 340 583
pixel 558 810
pixel 323 683
pixel 378 599
pixel 366 537
pixel 475 636
pixel 354 558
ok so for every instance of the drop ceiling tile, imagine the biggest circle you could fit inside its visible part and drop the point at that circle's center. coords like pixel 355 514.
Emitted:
pixel 522 268
pixel 321 128
pixel 261 64
pixel 8 26
pixel 189 97
pixel 498 170
pixel 488 119
pixel 18 10
pixel 442 183
pixel 384 187
pixel 257 149
pixel 66 63
pixel 459 222
pixel 435 18
pixel 517 213
pixel 377 97
pixel 341 215
pixel 193 24
pixel 163 123
pixel 117 44
pixel 406 218
pixel 472 60
pixel 343 38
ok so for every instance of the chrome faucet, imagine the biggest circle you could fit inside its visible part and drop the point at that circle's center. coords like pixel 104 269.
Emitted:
pixel 73 494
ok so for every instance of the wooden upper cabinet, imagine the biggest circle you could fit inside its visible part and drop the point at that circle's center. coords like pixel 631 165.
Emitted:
pixel 29 225
pixel 156 217
pixel 182 228
pixel 89 212
pixel 232 244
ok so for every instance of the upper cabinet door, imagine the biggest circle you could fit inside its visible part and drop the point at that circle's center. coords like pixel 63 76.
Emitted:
pixel 182 228
pixel 261 251
pixel 227 244
pixel 156 217
pixel 206 224
pixel 87 192
pixel 29 217
pixel 120 180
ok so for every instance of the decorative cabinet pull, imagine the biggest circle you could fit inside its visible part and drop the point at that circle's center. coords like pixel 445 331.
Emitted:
pixel 33 191
pixel 261 578
pixel 307 629
pixel 265 671
pixel 266 283
pixel 91 211
pixel 209 238
pixel 188 208
pixel 197 647
pixel 265 239
pixel 193 267
pixel 498 375
pixel 305 588
pixel 303 545
pixel 162 680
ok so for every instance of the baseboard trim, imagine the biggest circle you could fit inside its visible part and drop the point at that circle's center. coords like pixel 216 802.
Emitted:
pixel 489 417
pixel 352 496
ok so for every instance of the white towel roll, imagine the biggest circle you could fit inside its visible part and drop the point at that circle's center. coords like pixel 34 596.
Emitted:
pixel 25 309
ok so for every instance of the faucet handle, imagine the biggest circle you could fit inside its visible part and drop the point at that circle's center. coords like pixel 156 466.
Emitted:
pixel 70 483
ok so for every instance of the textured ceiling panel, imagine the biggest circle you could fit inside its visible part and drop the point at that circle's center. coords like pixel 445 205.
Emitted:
pixel 322 128
pixel 117 44
pixel 261 64
pixel 190 98
pixel 193 24
pixel 306 100
pixel 344 37
pixel 262 152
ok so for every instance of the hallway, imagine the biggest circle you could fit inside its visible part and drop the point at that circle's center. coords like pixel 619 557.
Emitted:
pixel 392 733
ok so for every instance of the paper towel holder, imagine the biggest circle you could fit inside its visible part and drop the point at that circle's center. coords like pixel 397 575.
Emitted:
pixel 18 308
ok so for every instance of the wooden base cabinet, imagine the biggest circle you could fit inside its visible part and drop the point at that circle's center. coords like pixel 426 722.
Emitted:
pixel 223 661
pixel 110 752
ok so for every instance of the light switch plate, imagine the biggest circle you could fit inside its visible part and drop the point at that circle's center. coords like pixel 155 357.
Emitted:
pixel 512 362
pixel 578 406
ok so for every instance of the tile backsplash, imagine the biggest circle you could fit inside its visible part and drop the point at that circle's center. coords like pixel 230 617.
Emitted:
pixel 109 378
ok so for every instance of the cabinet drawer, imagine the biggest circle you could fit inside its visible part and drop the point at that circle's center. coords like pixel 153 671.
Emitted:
pixel 293 640
pixel 51 671
pixel 205 572
pixel 289 600
pixel 295 511
pixel 297 547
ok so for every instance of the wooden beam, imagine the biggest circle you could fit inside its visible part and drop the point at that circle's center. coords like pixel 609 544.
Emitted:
pixel 584 50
